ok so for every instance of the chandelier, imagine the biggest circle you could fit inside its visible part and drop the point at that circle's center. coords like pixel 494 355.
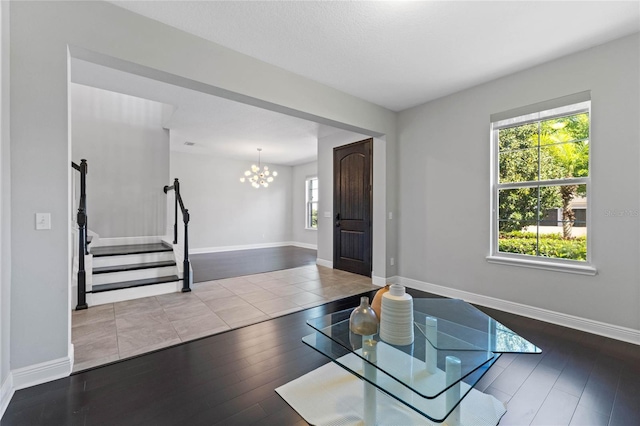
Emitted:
pixel 258 176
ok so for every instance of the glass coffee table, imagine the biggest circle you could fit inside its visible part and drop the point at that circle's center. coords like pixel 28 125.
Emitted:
pixel 454 346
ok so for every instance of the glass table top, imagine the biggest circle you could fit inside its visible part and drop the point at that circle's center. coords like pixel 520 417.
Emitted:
pixel 462 326
pixel 417 374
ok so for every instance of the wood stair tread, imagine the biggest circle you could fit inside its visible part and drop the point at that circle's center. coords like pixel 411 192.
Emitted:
pixel 130 249
pixel 134 283
pixel 133 267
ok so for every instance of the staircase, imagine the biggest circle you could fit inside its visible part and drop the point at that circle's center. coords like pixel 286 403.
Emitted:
pixel 123 272
pixel 118 269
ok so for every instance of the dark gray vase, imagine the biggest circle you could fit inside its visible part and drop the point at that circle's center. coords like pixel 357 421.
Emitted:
pixel 363 319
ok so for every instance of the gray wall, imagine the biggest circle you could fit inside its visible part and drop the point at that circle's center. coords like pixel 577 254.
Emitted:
pixel 444 187
pixel 5 197
pixel 225 212
pixel 299 199
pixel 41 34
pixel 127 150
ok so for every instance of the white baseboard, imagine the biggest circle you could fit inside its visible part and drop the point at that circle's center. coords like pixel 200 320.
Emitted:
pixel 72 355
pixel 240 247
pixel 120 241
pixel 41 373
pixel 6 393
pixel 381 281
pixel 584 324
pixel 325 263
pixel 304 245
pixel 220 249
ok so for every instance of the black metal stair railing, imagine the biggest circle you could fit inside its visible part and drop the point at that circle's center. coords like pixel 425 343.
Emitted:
pixel 186 276
pixel 82 234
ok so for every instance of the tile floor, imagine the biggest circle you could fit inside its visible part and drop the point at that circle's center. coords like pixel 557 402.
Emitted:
pixel 107 333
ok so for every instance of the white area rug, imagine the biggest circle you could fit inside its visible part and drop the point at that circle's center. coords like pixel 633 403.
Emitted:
pixel 331 396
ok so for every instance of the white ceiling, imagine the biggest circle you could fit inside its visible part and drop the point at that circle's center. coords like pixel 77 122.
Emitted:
pixel 393 53
pixel 399 54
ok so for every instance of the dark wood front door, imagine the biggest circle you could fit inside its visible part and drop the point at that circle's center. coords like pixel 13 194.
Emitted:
pixel 352 185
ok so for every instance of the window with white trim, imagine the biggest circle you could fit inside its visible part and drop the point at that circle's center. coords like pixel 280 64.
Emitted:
pixel 540 183
pixel 311 185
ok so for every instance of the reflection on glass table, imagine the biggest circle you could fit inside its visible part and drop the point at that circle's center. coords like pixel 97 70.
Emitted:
pixel 461 326
pixel 431 375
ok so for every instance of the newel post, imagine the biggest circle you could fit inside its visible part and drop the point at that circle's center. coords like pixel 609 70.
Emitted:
pixel 186 265
pixel 82 275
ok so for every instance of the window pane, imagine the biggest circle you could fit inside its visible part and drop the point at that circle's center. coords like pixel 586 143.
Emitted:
pixel 519 165
pixel 312 189
pixel 559 232
pixel 543 244
pixel 518 153
pixel 517 208
pixel 558 248
pixel 564 160
pixel 313 220
pixel 314 215
pixel 518 137
pixel 570 203
pixel 519 238
pixel 312 203
pixel 564 129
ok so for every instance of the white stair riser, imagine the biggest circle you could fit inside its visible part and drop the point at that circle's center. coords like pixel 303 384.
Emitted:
pixel 124 241
pixel 139 274
pixel 133 293
pixel 130 259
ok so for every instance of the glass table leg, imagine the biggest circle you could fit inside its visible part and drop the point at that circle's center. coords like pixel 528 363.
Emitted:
pixel 453 373
pixel 431 353
pixel 370 373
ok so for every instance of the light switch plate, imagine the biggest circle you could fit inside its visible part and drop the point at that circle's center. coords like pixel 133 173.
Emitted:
pixel 327 214
pixel 43 221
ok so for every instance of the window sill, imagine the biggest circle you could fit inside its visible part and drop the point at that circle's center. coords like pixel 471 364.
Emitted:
pixel 311 229
pixel 548 266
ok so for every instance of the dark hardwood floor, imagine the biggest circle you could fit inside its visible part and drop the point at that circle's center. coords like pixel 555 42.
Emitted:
pixel 229 379
pixel 217 266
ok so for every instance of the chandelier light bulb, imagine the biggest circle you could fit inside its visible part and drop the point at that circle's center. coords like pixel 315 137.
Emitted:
pixel 259 175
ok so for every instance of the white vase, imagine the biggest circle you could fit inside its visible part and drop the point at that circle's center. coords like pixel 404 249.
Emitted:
pixel 396 324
